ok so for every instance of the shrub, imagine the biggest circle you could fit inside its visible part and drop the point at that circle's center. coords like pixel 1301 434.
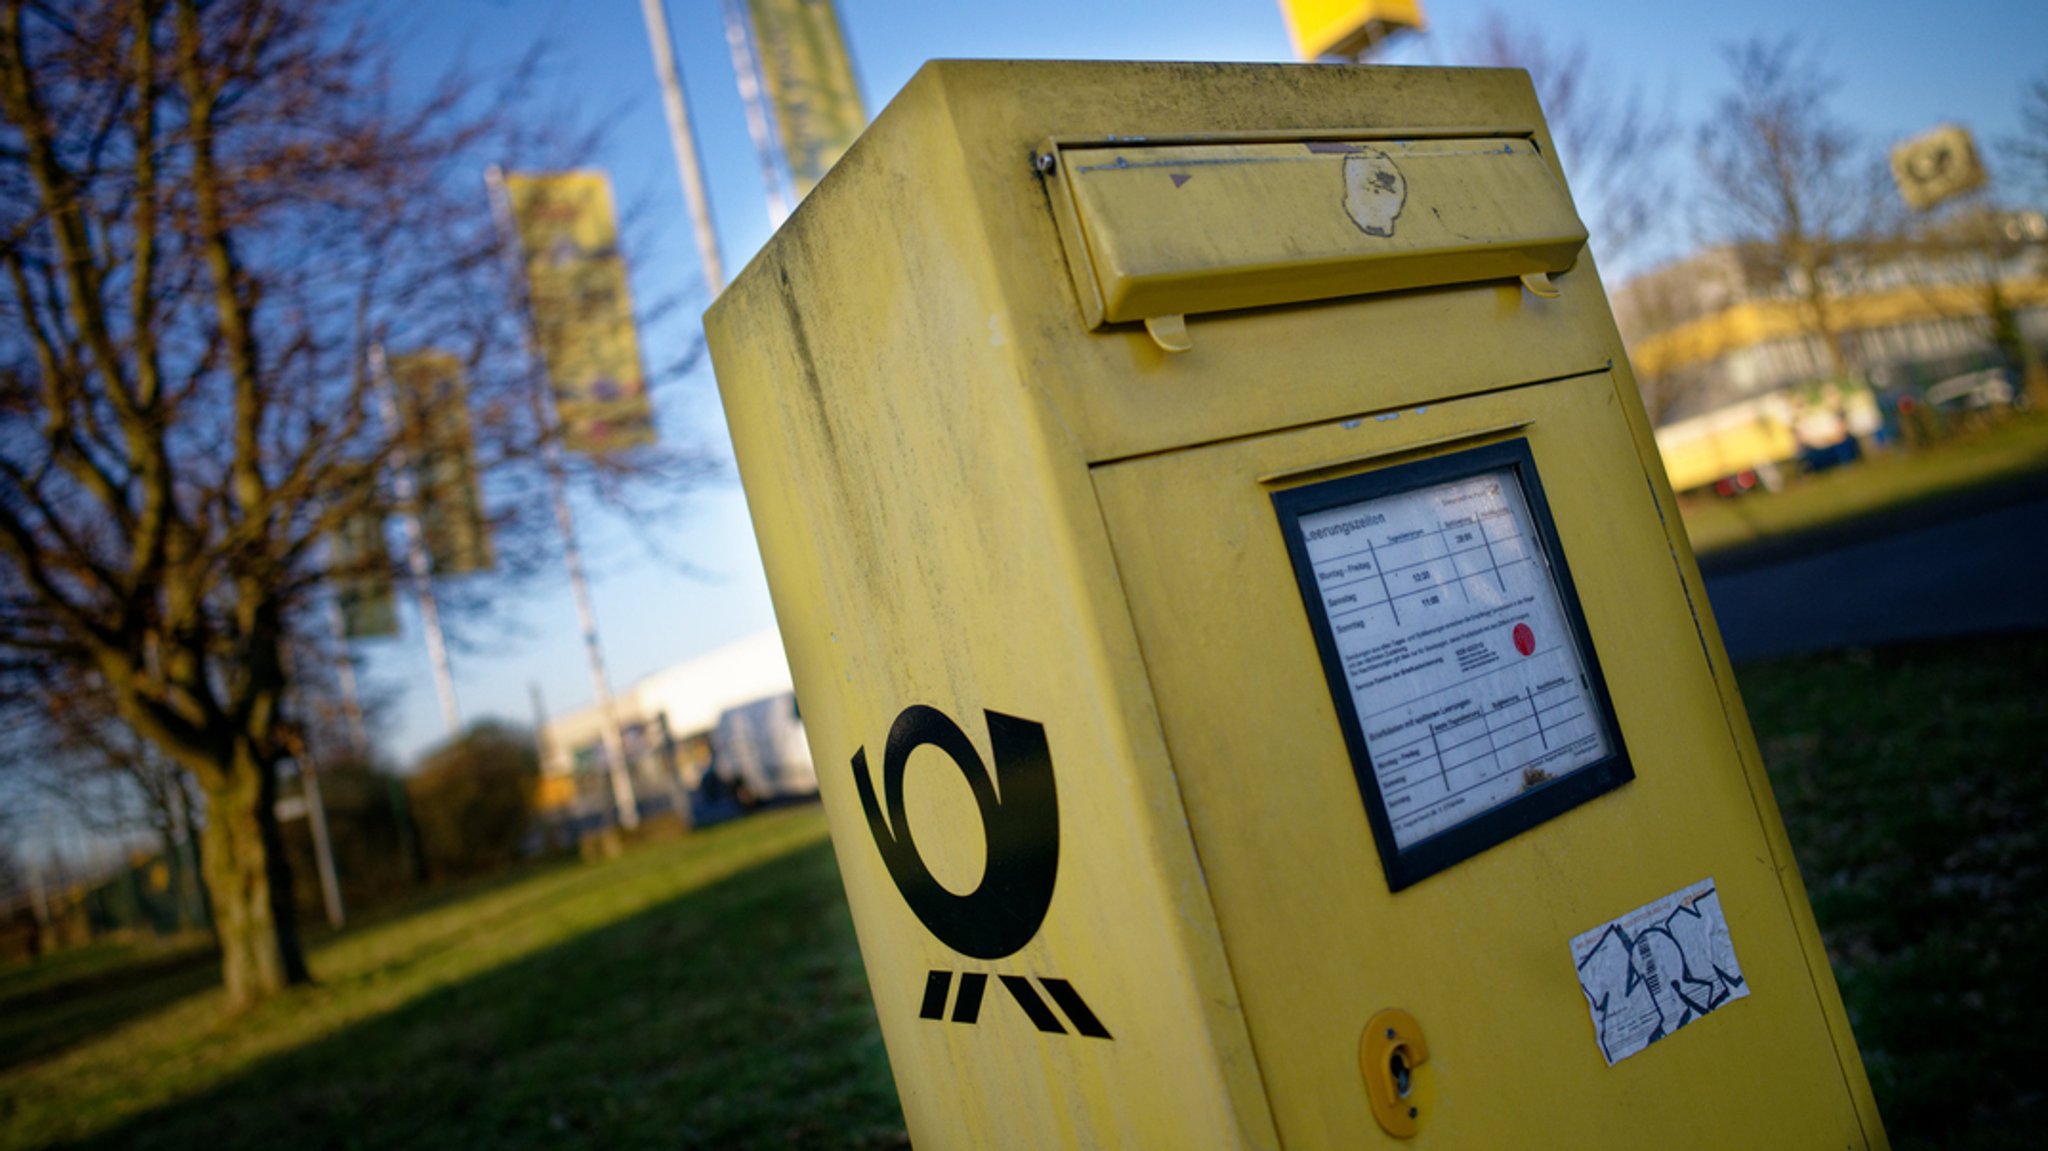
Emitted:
pixel 472 800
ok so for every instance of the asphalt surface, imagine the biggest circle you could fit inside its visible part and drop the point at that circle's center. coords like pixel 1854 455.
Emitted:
pixel 1972 564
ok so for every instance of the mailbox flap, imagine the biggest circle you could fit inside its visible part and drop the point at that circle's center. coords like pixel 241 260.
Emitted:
pixel 1169 230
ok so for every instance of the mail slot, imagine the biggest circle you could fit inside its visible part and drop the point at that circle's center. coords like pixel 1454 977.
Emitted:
pixel 1263 694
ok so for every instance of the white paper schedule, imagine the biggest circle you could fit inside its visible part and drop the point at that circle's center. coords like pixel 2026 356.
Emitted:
pixel 1454 642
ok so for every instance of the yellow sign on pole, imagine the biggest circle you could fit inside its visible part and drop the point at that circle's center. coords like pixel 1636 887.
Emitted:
pixel 1347 29
pixel 809 77
pixel 433 411
pixel 1937 166
pixel 582 309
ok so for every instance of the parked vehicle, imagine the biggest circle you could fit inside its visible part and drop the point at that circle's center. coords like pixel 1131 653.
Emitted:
pixel 759 753
pixel 1985 391
pixel 1733 450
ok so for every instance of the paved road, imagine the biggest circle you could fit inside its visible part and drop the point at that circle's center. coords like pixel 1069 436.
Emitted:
pixel 1973 565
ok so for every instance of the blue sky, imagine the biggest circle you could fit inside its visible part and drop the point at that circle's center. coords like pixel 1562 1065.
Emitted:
pixel 1903 67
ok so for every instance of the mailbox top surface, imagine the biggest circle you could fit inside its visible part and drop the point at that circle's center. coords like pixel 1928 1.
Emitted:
pixel 1270 263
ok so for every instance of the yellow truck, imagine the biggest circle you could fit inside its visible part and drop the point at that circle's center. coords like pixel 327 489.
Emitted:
pixel 1734 449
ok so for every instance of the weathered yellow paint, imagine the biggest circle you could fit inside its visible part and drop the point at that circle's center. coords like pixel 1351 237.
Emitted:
pixel 1477 948
pixel 969 499
pixel 1418 213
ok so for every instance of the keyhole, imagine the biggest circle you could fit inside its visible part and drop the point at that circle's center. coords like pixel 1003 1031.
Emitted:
pixel 1398 1062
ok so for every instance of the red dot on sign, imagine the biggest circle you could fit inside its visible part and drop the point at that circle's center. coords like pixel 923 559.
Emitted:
pixel 1525 640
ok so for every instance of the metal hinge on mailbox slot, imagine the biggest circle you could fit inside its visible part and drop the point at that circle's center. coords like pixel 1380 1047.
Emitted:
pixel 1157 232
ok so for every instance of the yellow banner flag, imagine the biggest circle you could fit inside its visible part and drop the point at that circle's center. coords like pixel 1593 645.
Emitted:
pixel 809 78
pixel 433 415
pixel 582 311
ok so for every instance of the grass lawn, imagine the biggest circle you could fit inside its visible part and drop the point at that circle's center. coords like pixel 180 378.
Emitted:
pixel 75 994
pixel 2015 448
pixel 702 992
pixel 706 992
pixel 1914 783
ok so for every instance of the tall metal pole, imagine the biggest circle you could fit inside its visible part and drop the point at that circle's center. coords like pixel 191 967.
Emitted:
pixel 540 722
pixel 623 798
pixel 323 847
pixel 415 542
pixel 614 746
pixel 316 817
pixel 684 143
pixel 741 44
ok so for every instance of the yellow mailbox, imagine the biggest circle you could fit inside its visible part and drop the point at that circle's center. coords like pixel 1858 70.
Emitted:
pixel 1262 692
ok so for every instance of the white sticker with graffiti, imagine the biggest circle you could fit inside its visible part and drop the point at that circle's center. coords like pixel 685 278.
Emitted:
pixel 1657 969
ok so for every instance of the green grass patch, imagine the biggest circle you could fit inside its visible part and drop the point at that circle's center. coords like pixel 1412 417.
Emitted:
pixel 707 992
pixel 702 992
pixel 2014 448
pixel 82 967
pixel 1914 783
pixel 67 998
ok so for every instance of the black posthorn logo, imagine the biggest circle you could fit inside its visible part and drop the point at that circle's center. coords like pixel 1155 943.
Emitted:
pixel 1023 830
pixel 1020 819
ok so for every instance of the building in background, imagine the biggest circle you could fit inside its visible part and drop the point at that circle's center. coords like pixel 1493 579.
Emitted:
pixel 1725 326
pixel 667 722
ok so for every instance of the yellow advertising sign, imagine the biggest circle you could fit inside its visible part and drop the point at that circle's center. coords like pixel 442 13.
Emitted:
pixel 1937 166
pixel 1346 28
pixel 433 409
pixel 809 77
pixel 582 309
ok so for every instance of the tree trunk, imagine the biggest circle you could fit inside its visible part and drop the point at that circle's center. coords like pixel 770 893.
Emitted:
pixel 249 881
pixel 1820 312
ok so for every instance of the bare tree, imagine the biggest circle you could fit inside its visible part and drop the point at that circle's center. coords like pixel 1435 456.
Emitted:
pixel 2029 152
pixel 209 211
pixel 1784 180
pixel 1613 138
pixel 2029 148
pixel 1655 304
pixel 13 873
pixel 64 742
pixel 1962 258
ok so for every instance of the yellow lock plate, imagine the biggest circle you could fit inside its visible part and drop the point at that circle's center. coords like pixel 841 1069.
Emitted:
pixel 1391 1053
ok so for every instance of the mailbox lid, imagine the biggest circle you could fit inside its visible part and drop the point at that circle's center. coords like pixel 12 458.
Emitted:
pixel 1209 227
